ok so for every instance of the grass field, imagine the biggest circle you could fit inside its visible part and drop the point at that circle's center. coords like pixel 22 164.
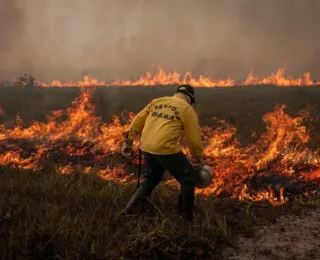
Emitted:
pixel 44 215
pixel 242 107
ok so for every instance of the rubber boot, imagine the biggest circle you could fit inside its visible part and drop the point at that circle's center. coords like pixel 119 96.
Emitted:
pixel 140 193
pixel 186 206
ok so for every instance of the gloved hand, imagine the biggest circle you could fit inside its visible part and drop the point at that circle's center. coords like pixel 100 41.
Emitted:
pixel 126 149
pixel 198 163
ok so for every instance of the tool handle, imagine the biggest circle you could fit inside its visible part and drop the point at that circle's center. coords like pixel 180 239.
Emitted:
pixel 139 168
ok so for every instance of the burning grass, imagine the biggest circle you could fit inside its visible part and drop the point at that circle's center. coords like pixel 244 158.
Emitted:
pixel 277 166
pixel 65 185
pixel 278 78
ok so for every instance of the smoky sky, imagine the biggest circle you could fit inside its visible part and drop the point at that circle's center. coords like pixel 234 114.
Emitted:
pixel 65 39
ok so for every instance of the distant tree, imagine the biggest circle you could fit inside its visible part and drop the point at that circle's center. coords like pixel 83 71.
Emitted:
pixel 26 80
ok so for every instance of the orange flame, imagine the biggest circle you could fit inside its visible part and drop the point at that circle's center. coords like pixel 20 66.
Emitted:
pixel 163 78
pixel 77 140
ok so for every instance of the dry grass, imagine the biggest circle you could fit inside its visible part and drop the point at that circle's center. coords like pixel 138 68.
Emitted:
pixel 45 215
pixel 242 107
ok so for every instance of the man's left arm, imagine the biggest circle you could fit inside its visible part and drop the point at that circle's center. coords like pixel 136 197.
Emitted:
pixel 192 132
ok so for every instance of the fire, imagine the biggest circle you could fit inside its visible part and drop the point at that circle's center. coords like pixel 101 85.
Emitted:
pixel 278 164
pixel 279 79
pixel 166 78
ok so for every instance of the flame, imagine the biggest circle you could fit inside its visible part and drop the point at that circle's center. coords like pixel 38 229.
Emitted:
pixel 76 140
pixel 279 79
pixel 164 78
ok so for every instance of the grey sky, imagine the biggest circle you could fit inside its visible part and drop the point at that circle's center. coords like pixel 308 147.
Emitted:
pixel 124 38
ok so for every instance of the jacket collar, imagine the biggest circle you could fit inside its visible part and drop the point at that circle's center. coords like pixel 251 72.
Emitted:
pixel 183 98
pixel 180 96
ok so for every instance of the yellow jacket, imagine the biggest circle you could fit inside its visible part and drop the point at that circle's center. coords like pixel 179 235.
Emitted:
pixel 162 122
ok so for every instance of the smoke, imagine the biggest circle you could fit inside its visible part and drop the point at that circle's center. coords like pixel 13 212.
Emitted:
pixel 124 38
pixel 12 31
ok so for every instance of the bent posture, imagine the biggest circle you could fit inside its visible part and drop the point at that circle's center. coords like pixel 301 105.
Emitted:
pixel 160 124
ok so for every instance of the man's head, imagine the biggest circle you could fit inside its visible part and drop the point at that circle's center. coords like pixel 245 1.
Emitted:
pixel 187 90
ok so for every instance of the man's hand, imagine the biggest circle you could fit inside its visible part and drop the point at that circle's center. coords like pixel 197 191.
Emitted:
pixel 198 163
pixel 126 149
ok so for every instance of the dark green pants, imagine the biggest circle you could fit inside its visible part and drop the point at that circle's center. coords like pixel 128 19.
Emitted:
pixel 180 168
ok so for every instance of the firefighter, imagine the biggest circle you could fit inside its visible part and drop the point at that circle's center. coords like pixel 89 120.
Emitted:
pixel 159 126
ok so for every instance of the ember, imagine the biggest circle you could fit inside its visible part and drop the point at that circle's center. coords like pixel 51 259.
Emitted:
pixel 276 167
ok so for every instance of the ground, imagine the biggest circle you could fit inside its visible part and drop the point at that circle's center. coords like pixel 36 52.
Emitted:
pixel 291 237
pixel 51 216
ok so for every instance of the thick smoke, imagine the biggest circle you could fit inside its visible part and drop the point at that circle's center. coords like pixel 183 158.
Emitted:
pixel 124 38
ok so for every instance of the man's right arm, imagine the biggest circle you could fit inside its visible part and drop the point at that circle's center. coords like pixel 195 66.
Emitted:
pixel 192 132
pixel 137 124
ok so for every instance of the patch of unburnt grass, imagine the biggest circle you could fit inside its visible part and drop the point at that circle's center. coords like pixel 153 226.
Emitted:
pixel 44 215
